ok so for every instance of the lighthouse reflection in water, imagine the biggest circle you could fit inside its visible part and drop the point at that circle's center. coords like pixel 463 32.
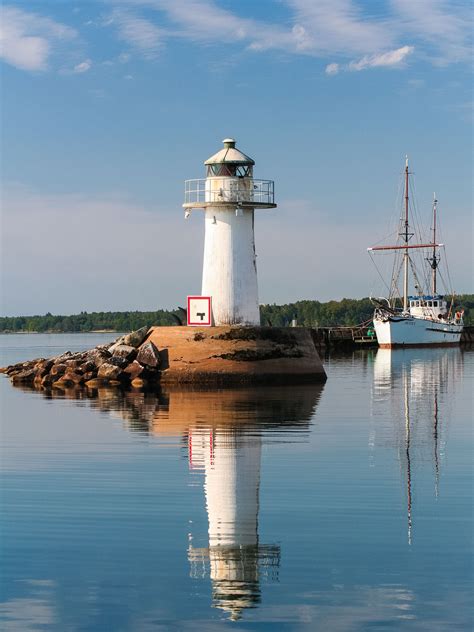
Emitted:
pixel 231 460
pixel 224 434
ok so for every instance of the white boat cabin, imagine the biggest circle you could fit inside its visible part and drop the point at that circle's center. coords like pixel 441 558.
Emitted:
pixel 433 307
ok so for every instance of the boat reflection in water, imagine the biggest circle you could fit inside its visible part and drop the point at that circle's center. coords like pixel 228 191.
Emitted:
pixel 417 384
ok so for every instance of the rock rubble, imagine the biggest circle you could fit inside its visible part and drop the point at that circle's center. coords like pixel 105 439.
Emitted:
pixel 126 361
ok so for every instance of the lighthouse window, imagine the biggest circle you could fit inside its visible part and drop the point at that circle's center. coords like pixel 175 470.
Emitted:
pixel 224 169
pixel 243 171
pixel 217 170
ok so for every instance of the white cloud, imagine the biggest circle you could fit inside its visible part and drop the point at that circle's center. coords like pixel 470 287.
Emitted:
pixel 332 69
pixel 342 28
pixel 439 29
pixel 391 58
pixel 204 21
pixel 27 40
pixel 445 26
pixel 315 28
pixel 140 33
pixel 84 66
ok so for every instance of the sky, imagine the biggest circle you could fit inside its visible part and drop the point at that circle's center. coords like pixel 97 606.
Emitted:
pixel 108 107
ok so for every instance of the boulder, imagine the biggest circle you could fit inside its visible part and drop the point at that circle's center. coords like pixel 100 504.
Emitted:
pixel 72 376
pixel 135 369
pixel 23 376
pixel 102 347
pixel 12 370
pixel 123 351
pixel 62 358
pixel 58 369
pixel 109 371
pixel 98 356
pixel 34 362
pixel 118 361
pixel 149 355
pixel 43 368
pixel 87 366
pixel 134 338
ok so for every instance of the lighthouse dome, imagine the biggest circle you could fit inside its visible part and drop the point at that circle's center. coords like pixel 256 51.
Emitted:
pixel 229 161
pixel 229 154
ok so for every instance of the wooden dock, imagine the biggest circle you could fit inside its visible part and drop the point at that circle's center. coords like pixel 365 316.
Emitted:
pixel 343 337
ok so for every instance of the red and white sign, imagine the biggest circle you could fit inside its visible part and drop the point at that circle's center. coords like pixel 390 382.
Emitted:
pixel 199 311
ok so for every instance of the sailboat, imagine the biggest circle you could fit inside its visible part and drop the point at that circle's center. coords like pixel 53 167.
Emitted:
pixel 424 319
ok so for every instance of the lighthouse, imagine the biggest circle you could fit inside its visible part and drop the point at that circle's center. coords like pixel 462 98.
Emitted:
pixel 229 196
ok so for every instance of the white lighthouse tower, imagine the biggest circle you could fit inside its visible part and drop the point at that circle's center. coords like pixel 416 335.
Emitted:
pixel 229 196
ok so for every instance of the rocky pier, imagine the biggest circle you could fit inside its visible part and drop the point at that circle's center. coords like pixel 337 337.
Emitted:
pixel 149 357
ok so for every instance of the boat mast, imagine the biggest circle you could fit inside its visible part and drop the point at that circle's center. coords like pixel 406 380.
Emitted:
pixel 406 237
pixel 434 259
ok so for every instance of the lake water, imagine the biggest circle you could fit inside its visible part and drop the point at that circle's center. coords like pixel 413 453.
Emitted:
pixel 340 507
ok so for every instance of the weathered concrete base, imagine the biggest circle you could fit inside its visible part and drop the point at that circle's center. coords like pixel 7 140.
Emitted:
pixel 236 355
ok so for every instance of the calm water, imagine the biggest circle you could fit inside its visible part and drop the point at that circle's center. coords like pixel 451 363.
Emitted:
pixel 335 508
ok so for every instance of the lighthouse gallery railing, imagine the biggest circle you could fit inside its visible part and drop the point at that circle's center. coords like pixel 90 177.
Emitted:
pixel 238 190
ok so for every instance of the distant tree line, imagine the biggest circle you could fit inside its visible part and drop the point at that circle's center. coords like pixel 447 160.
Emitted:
pixel 307 313
pixel 87 321
pixel 316 314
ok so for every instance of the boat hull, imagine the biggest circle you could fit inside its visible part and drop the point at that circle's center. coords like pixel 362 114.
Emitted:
pixel 416 332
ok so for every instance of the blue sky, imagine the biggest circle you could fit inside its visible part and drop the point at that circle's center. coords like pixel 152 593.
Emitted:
pixel 108 106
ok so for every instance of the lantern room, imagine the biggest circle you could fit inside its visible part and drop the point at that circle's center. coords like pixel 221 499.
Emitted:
pixel 229 162
pixel 229 180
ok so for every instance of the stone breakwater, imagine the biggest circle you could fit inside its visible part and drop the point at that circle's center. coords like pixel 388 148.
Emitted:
pixel 125 361
pixel 154 356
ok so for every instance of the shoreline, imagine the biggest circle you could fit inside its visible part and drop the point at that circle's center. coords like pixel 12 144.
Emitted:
pixel 59 333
